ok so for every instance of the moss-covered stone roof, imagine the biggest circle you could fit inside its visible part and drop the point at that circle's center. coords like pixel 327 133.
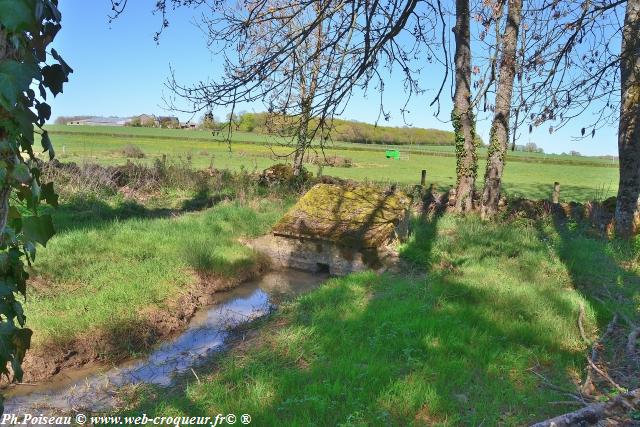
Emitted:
pixel 355 216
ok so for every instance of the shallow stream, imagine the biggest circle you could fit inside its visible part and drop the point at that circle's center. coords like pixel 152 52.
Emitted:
pixel 95 389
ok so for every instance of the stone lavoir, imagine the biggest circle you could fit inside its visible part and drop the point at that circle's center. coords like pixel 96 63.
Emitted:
pixel 339 229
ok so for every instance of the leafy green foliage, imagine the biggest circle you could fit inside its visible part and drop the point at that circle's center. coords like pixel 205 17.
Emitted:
pixel 38 228
pixel 14 76
pixel 16 15
pixel 27 27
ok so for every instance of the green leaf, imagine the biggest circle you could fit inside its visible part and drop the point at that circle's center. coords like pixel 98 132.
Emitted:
pixel 47 146
pixel 15 78
pixel 17 308
pixel 22 341
pixel 54 77
pixel 35 192
pixel 14 213
pixel 62 62
pixel 17 15
pixel 38 228
pixel 53 12
pixel 48 194
pixel 21 173
pixel 30 249
pixel 44 112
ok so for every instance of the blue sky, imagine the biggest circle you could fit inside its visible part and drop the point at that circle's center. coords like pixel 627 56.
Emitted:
pixel 119 70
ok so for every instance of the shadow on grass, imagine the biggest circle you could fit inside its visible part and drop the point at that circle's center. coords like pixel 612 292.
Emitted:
pixel 95 213
pixel 454 346
pixel 596 267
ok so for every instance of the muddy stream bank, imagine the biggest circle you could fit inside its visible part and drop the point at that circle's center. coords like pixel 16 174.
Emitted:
pixel 94 389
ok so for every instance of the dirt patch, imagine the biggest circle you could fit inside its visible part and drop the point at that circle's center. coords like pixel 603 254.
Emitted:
pixel 122 339
pixel 425 416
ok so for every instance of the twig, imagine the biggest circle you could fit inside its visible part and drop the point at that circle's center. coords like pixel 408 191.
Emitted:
pixel 195 375
pixel 593 365
pixel 579 398
pixel 596 411
pixel 596 345
pixel 631 343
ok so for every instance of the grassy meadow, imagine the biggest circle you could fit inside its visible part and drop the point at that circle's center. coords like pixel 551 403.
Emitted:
pixel 472 336
pixel 96 273
pixel 118 260
pixel 527 174
pixel 480 328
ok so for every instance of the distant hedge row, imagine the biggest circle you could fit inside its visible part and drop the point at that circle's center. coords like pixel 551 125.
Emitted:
pixel 342 130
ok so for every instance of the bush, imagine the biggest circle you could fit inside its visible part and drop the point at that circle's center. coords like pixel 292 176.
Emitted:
pixel 282 174
pixel 133 152
pixel 334 161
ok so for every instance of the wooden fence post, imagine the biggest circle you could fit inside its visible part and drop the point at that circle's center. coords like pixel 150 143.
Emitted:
pixel 555 196
pixel 423 177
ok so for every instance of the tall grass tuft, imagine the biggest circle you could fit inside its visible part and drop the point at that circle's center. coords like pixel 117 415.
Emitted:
pixel 132 151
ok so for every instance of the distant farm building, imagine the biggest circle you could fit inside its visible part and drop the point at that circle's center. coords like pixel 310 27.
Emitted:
pixel 143 120
pixel 100 121
pixel 146 120
pixel 169 122
pixel 189 125
pixel 339 229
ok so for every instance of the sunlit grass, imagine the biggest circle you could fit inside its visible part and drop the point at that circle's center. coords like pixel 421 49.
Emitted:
pixel 108 272
pixel 252 152
pixel 453 343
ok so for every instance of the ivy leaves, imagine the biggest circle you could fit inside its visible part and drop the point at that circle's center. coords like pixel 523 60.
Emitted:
pixel 17 15
pixel 27 28
pixel 54 77
pixel 38 228
pixel 15 78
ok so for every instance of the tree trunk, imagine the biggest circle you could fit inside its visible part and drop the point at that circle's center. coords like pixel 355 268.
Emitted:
pixel 307 95
pixel 629 125
pixel 499 135
pixel 462 115
pixel 301 143
pixel 7 155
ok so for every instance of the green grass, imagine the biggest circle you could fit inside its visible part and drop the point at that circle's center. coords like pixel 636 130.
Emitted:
pixel 453 343
pixel 581 178
pixel 238 136
pixel 455 339
pixel 102 273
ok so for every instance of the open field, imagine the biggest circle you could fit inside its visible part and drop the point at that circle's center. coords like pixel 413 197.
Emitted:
pixel 582 178
pixel 462 336
pixel 239 136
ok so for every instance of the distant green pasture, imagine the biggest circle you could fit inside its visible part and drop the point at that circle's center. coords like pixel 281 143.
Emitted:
pixel 527 174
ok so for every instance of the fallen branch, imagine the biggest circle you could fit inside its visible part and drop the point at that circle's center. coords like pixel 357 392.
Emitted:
pixel 581 399
pixel 195 375
pixel 591 364
pixel 595 412
pixel 588 382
